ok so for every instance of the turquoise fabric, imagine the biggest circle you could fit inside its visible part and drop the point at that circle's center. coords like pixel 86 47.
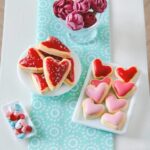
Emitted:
pixel 52 115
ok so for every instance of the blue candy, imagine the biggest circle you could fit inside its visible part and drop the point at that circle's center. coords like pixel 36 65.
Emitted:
pixel 12 123
pixel 21 136
pixel 18 107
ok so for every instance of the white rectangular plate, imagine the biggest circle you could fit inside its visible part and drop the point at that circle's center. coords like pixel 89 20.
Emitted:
pixel 95 123
pixel 5 109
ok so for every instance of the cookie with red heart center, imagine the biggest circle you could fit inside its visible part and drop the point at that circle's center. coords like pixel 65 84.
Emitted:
pixel 40 82
pixel 114 121
pixel 122 89
pixel 92 110
pixel 55 72
pixel 100 70
pixel 71 76
pixel 54 46
pixel 126 75
pixel 33 61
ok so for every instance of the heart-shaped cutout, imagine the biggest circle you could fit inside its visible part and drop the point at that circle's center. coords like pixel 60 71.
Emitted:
pixel 123 89
pixel 126 75
pixel 97 93
pixel 55 72
pixel 33 62
pixel 114 121
pixel 96 82
pixel 92 110
pixel 113 104
pixel 54 46
pixel 40 82
pixel 100 70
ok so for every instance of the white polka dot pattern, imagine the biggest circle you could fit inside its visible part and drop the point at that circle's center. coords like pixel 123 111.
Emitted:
pixel 52 115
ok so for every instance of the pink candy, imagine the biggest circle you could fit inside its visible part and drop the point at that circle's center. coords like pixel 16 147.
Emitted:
pixel 98 5
pixel 75 21
pixel 62 8
pixel 81 5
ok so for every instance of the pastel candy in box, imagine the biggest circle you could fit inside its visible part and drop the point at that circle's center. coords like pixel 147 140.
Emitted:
pixel 18 120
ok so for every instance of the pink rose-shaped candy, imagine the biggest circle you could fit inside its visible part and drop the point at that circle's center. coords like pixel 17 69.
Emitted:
pixel 81 5
pixel 75 21
pixel 98 5
pixel 62 8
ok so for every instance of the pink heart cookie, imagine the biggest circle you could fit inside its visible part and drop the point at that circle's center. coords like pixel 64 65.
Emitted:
pixel 92 110
pixel 114 121
pixel 97 93
pixel 123 89
pixel 113 104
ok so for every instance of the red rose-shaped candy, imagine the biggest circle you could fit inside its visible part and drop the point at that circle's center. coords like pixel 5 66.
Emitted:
pixel 81 5
pixel 98 5
pixel 89 19
pixel 75 21
pixel 62 8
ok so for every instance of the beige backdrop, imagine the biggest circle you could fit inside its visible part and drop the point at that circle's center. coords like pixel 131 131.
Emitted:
pixel 147 20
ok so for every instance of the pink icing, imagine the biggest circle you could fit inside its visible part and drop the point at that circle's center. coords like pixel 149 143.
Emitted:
pixel 91 108
pixel 75 21
pixel 114 104
pixel 96 93
pixel 122 88
pixel 81 5
pixel 114 119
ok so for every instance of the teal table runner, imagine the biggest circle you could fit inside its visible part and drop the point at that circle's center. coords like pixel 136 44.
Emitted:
pixel 52 115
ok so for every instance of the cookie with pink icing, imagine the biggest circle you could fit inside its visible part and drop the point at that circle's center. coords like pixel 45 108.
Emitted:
pixel 113 104
pixel 97 93
pixel 122 89
pixel 114 121
pixel 92 110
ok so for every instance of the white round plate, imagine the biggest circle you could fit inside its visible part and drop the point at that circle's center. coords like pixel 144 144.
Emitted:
pixel 26 79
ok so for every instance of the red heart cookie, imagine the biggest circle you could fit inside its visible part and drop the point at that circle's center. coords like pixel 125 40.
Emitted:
pixel 33 61
pixel 54 46
pixel 122 89
pixel 71 76
pixel 55 72
pixel 100 70
pixel 96 82
pixel 126 75
pixel 40 82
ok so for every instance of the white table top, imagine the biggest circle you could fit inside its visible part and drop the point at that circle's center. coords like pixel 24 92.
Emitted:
pixel 128 47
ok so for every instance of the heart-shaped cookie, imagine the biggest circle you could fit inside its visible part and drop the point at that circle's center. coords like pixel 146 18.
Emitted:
pixel 97 93
pixel 122 89
pixel 71 76
pixel 92 110
pixel 40 82
pixel 100 70
pixel 33 61
pixel 126 75
pixel 114 121
pixel 96 82
pixel 55 72
pixel 54 46
pixel 113 104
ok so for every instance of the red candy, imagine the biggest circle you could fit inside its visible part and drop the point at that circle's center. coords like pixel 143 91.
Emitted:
pixel 89 19
pixel 13 117
pixel 28 129
pixel 21 116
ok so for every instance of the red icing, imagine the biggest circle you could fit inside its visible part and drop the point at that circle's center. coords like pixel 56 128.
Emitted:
pixel 101 70
pixel 71 75
pixel 127 74
pixel 56 70
pixel 40 78
pixel 96 82
pixel 47 55
pixel 53 42
pixel 32 59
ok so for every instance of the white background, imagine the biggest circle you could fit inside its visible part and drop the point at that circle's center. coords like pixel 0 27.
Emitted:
pixel 128 48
